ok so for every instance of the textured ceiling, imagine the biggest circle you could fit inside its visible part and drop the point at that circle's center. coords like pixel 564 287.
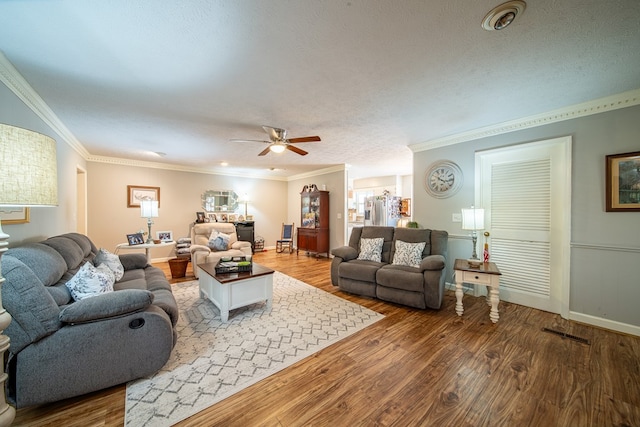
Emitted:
pixel 370 77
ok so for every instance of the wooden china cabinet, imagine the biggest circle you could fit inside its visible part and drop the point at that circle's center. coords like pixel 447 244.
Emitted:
pixel 313 235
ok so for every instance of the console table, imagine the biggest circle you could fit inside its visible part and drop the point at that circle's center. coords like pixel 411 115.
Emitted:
pixel 146 246
pixel 486 274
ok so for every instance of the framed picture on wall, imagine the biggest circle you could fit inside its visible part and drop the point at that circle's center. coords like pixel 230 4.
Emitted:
pixel 623 182
pixel 14 215
pixel 138 193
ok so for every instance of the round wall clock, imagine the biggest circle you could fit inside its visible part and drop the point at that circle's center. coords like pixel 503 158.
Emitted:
pixel 443 179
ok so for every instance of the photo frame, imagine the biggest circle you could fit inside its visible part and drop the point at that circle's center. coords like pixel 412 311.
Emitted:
pixel 164 236
pixel 213 217
pixel 249 218
pixel 623 182
pixel 135 239
pixel 14 215
pixel 200 218
pixel 232 217
pixel 138 193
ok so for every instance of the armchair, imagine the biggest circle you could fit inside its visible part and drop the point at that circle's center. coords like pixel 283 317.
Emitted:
pixel 201 252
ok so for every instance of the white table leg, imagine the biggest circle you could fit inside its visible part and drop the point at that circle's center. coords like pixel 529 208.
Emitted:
pixel 495 300
pixel 459 293
pixel 224 315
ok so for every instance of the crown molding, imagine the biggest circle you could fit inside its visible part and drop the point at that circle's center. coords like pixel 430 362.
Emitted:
pixel 180 168
pixel 609 103
pixel 331 169
pixel 23 90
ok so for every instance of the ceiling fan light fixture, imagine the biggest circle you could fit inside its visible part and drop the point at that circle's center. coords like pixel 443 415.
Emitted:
pixel 500 17
pixel 277 148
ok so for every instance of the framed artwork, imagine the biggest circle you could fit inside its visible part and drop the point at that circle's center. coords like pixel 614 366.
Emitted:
pixel 138 193
pixel 623 182
pixel 14 215
pixel 200 217
pixel 135 239
pixel 164 236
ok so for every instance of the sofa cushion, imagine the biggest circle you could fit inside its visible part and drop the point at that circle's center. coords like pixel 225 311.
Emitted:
pixel 409 254
pixel 386 233
pixel 371 249
pixel 400 277
pixel 76 249
pixel 90 281
pixel 356 269
pixel 110 260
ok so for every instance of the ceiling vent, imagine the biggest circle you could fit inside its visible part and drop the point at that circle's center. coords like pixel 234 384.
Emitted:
pixel 500 17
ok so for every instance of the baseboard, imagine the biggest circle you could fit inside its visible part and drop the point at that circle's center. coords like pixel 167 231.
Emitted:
pixel 605 323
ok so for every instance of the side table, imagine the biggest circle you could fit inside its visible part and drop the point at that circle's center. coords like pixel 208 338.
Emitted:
pixel 486 274
pixel 146 246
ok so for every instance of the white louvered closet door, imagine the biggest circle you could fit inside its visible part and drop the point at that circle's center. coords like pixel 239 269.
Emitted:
pixel 525 191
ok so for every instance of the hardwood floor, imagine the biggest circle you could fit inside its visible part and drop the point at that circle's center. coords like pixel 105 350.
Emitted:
pixel 419 368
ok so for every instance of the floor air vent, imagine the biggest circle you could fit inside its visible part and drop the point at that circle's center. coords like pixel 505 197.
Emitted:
pixel 566 335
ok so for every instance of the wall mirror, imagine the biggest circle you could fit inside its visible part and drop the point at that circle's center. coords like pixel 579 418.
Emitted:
pixel 219 201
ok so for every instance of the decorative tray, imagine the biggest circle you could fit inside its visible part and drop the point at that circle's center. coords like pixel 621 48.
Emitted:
pixel 236 264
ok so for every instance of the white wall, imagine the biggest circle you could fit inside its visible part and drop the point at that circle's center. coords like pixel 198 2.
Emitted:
pixel 605 247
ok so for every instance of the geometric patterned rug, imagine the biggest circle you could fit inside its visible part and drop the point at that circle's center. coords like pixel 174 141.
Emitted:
pixel 213 360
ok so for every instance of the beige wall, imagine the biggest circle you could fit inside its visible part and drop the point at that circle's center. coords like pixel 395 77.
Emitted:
pixel 336 184
pixel 110 219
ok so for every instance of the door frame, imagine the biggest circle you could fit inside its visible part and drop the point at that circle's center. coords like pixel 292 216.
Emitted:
pixel 564 235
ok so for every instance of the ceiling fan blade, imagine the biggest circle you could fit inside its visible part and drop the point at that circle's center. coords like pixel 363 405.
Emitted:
pixel 265 151
pixel 249 140
pixel 305 139
pixel 296 150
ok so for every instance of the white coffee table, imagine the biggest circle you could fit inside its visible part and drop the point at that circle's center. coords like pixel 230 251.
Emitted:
pixel 234 290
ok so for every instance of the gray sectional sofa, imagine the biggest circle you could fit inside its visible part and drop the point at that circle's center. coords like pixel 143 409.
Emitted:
pixel 419 283
pixel 62 348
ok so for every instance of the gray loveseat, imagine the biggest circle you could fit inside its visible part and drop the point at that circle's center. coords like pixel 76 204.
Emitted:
pixel 60 348
pixel 419 286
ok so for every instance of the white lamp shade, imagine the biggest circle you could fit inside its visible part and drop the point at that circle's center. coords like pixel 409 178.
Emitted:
pixel 473 219
pixel 277 148
pixel 149 209
pixel 28 168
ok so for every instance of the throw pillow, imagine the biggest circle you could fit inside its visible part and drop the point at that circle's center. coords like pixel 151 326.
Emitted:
pixel 219 241
pixel 409 254
pixel 90 281
pixel 371 249
pixel 110 260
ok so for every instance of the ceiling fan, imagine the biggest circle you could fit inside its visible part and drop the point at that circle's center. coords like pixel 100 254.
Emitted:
pixel 279 141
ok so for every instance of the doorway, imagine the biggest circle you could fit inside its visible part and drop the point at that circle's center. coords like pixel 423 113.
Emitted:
pixel 526 192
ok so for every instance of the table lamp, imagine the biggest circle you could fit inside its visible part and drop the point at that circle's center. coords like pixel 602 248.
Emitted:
pixel 149 209
pixel 28 177
pixel 473 219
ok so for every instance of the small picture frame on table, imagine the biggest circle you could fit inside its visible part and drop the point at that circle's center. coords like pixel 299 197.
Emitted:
pixel 135 239
pixel 165 236
pixel 623 182
pixel 232 218
pixel 213 218
pixel 200 218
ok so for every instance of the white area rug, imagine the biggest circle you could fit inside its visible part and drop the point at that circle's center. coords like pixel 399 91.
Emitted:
pixel 213 360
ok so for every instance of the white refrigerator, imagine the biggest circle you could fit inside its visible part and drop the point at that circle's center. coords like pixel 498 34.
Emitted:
pixel 382 210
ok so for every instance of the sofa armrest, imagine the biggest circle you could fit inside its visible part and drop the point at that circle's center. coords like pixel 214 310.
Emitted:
pixel 133 261
pixel 240 244
pixel 347 253
pixel 432 262
pixel 105 306
pixel 197 248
